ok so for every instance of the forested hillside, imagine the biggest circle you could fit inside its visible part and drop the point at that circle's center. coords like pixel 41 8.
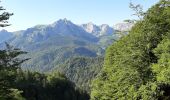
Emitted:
pixel 137 66
pixel 48 46
pixel 82 70
pixel 16 84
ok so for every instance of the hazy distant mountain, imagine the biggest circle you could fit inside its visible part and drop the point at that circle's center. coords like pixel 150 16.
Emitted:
pixel 101 30
pixel 5 35
pixel 124 26
pixel 51 45
pixel 61 29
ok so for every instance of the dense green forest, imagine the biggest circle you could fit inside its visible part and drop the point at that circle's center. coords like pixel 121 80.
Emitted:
pixel 137 66
pixel 82 70
pixel 16 84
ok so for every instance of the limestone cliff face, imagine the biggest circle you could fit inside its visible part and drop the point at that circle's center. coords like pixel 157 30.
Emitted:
pixel 124 26
pixel 97 31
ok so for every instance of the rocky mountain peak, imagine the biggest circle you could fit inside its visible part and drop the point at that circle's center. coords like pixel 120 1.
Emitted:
pixel 124 26
pixel 3 30
pixel 5 35
pixel 90 27
pixel 63 21
pixel 103 29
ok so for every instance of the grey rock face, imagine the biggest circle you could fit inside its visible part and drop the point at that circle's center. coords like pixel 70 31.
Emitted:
pixel 98 31
pixel 124 26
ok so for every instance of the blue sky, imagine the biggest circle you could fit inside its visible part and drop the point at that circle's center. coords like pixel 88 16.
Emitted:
pixel 28 13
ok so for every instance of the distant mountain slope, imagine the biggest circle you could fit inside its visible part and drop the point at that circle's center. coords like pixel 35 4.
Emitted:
pixel 51 45
pixel 5 35
pixel 42 33
pixel 46 59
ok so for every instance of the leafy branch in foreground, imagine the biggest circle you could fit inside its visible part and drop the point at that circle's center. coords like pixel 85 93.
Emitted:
pixel 138 9
pixel 9 57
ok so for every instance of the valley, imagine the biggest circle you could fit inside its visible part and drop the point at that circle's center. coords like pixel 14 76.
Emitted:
pixel 74 50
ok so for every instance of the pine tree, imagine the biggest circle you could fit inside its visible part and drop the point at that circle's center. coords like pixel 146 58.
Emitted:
pixel 8 63
pixel 4 16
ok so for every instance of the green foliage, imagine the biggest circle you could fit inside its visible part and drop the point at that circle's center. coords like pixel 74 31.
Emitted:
pixel 18 85
pixel 16 94
pixel 138 11
pixel 9 63
pixel 106 40
pixel 149 91
pixel 137 66
pixel 81 70
pixel 4 16
pixel 53 86
pixel 162 68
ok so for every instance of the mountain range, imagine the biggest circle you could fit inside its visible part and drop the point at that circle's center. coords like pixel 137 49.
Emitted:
pixel 60 25
pixel 51 45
